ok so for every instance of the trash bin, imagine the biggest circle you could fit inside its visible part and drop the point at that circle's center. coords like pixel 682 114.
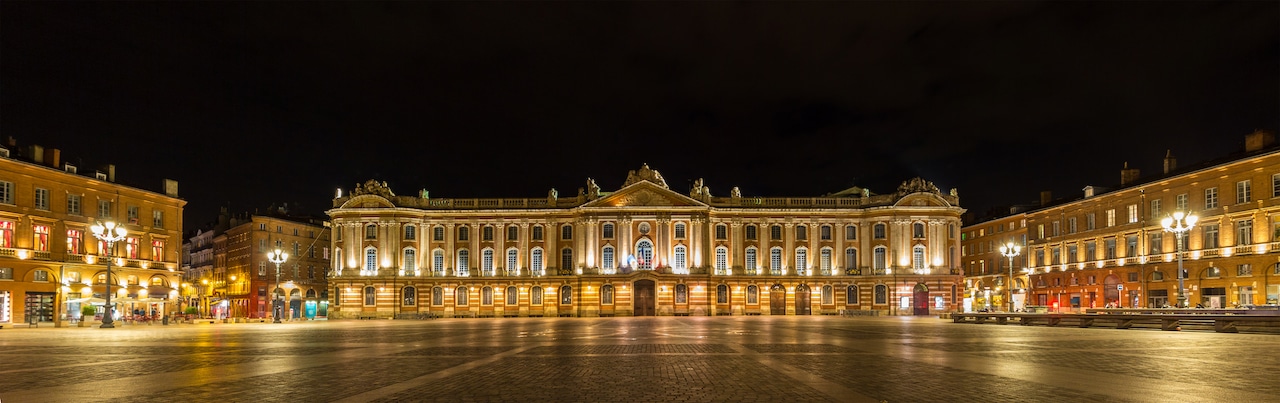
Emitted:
pixel 165 321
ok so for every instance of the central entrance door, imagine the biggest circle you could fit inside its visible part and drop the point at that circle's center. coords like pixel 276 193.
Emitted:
pixel 920 299
pixel 802 300
pixel 644 298
pixel 777 300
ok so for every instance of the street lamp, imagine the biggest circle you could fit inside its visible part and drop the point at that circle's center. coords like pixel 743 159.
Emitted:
pixel 1010 250
pixel 1179 223
pixel 110 234
pixel 277 256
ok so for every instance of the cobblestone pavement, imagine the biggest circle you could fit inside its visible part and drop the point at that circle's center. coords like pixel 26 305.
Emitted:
pixel 693 359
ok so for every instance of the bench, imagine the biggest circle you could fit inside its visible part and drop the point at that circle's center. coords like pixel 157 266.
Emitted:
pixel 367 316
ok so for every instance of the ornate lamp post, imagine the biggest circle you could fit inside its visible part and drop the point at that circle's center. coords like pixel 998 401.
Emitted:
pixel 108 232
pixel 1010 250
pixel 278 257
pixel 1179 223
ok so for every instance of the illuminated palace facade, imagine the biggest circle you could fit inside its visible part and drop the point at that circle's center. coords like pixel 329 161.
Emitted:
pixel 644 250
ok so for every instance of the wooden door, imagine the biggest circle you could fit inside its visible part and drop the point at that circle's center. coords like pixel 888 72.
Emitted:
pixel 920 300
pixel 644 298
pixel 777 300
pixel 802 300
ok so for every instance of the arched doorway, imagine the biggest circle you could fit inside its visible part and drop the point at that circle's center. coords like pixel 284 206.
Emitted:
pixel 920 299
pixel 777 300
pixel 1111 290
pixel 295 303
pixel 644 255
pixel 643 299
pixel 802 300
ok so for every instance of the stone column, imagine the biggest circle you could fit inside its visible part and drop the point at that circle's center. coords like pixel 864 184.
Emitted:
pixel 449 262
pixel 737 249
pixel 524 247
pixel 788 251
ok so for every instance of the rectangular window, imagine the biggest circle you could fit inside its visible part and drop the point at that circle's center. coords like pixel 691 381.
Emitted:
pixel 722 232
pixel 1244 270
pixel 513 233
pixel 824 232
pixel 1131 246
pixel 1072 253
pixel 262 226
pixel 73 241
pixel 41 276
pixel 486 234
pixel 1089 224
pixel 1133 213
pixel 1071 225
pixel 1244 232
pixel 6 273
pixel 73 204
pixel 1155 208
pixel 131 247
pixel 410 232
pixel 1275 185
pixel 41 240
pixel 437 233
pixel 157 250
pixel 566 232
pixel 133 214
pixel 1111 218
pixel 679 231
pixel 42 199
pixel 157 218
pixel 1211 198
pixel 850 232
pixel 1057 228
pixel 262 268
pixel 537 233
pixel 1039 231
pixel 751 232
pixel 1243 192
pixel 1109 248
pixel 1157 243
pixel 775 232
pixel 464 233
pixel 1180 203
pixel 104 209
pixel 1090 250
pixel 1210 236
pixel 6 192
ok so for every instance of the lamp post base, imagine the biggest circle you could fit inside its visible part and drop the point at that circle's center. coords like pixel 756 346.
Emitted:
pixel 107 325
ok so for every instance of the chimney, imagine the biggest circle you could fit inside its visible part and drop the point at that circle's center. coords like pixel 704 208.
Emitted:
pixel 1045 197
pixel 36 153
pixel 1258 140
pixel 52 157
pixel 170 188
pixel 1129 175
pixel 1170 163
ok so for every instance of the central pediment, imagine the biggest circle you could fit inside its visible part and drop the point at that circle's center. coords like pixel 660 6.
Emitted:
pixel 644 194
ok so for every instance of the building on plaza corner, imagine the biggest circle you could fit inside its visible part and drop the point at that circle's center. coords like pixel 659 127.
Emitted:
pixel 231 276
pixel 987 271
pixel 50 262
pixel 1109 247
pixel 645 250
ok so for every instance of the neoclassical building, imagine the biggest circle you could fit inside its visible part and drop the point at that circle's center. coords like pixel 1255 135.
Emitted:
pixel 645 250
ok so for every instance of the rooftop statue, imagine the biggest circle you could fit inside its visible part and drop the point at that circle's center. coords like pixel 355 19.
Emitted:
pixel 373 187
pixel 645 174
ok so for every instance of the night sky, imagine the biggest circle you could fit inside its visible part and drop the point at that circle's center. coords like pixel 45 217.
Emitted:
pixel 247 105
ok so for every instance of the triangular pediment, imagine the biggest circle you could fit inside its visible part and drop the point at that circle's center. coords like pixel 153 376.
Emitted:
pixel 644 194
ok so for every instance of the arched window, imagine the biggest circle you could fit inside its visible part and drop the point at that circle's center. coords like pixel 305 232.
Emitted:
pixel 644 255
pixel 722 294
pixel 513 262
pixel 824 261
pixel 535 296
pixel 464 263
pixel 437 262
pixel 566 295
pixel 851 295
pixel 371 260
pixel 460 296
pixel 437 296
pixel 566 231
pixel 753 295
pixel 370 296
pixel 878 231
pixel 682 294
pixel 678 261
pixel 722 260
pixel 606 230
pixel 486 262
pixel 917 230
pixel 879 259
pixel 606 259
pixel 679 230
pixel 486 296
pixel 410 296
pixel 882 294
pixel 828 295
pixel 802 260
pixel 371 231
pixel 513 297
pixel 917 257
pixel 850 258
pixel 410 262
pixel 464 233
pixel 775 261
pixel 750 260
pixel 566 258
pixel 750 232
pixel 606 294
pixel 802 232
pixel 410 232
pixel 535 261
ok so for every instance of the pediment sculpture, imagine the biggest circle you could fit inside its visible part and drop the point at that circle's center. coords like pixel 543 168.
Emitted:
pixel 645 174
